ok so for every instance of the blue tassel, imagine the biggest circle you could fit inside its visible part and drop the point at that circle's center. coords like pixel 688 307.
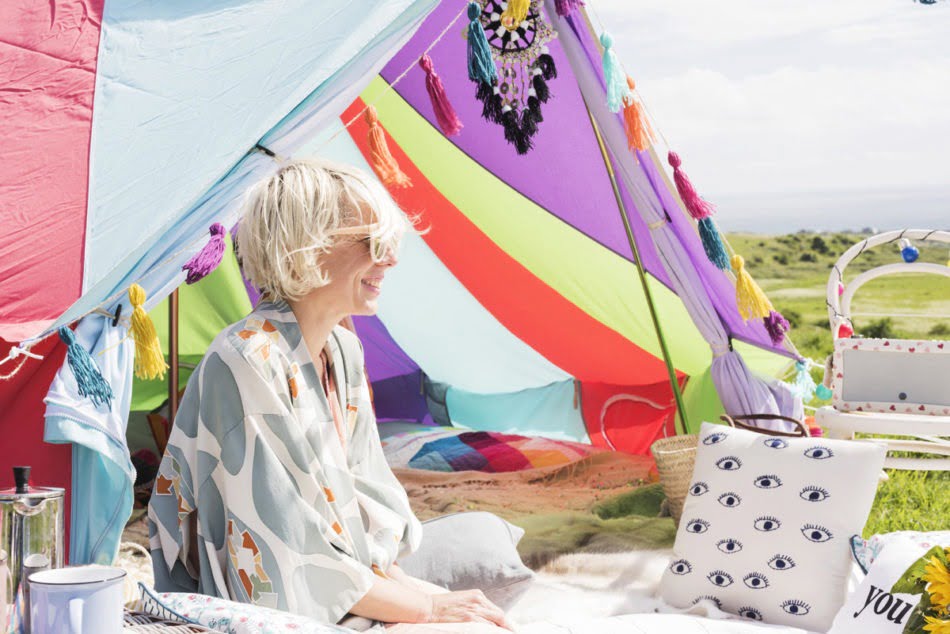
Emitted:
pixel 804 385
pixel 712 243
pixel 481 65
pixel 89 379
pixel 616 79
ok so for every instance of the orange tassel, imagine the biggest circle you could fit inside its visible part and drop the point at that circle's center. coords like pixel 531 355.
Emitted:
pixel 639 133
pixel 382 161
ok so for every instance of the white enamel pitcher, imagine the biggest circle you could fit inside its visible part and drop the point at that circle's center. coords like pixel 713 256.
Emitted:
pixel 77 600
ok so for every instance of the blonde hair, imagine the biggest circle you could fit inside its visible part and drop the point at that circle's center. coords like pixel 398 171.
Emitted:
pixel 290 219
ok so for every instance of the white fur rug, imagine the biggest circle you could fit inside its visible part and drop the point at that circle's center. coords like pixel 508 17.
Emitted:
pixel 606 593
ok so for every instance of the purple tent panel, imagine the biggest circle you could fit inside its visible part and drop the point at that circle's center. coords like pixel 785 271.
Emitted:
pixel 564 173
pixel 397 379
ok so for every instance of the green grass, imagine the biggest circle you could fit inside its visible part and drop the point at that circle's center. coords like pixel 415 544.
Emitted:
pixel 911 501
pixel 547 536
pixel 793 271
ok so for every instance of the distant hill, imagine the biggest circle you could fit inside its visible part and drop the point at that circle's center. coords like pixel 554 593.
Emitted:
pixel 793 270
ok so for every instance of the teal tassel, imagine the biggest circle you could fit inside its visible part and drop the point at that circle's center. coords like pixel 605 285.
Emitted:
pixel 481 65
pixel 712 243
pixel 88 377
pixel 616 79
pixel 804 385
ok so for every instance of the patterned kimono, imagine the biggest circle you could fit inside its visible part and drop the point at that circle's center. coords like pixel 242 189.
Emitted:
pixel 256 499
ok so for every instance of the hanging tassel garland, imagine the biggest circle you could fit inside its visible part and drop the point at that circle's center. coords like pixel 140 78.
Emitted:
pixel 444 112
pixel 89 379
pixel 481 66
pixel 639 132
pixel 565 8
pixel 696 206
pixel 712 244
pixel 515 13
pixel 208 258
pixel 149 360
pixel 804 386
pixel 751 301
pixel 777 326
pixel 381 159
pixel 617 88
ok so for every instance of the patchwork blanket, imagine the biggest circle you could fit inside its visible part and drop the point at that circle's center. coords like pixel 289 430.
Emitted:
pixel 452 449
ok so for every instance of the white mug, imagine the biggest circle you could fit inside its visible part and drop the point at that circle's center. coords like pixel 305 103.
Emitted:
pixel 77 599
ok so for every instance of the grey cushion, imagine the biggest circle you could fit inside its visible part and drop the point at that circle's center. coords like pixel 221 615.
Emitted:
pixel 466 551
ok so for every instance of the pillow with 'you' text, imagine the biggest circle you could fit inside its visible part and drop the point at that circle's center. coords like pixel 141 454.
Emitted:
pixel 766 526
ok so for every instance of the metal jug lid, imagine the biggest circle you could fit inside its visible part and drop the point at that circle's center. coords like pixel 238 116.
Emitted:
pixel 23 490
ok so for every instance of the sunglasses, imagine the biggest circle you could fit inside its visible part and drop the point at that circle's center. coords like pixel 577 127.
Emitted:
pixel 378 249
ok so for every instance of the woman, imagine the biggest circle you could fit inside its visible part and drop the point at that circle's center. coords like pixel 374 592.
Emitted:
pixel 274 489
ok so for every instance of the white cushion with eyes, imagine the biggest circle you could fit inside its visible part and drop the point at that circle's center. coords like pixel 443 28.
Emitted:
pixel 767 524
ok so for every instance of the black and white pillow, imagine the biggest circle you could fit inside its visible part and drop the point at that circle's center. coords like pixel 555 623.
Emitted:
pixel 766 526
pixel 872 608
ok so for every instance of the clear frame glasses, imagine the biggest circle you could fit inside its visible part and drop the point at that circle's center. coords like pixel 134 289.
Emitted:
pixel 378 249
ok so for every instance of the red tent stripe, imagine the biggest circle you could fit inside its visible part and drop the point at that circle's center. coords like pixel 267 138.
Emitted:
pixel 538 315
pixel 48 75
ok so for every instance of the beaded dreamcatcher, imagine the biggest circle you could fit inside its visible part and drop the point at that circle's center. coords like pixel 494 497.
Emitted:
pixel 517 35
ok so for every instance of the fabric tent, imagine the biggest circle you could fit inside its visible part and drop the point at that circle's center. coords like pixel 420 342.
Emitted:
pixel 522 299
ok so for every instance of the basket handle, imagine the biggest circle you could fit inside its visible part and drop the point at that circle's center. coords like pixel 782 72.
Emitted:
pixel 734 421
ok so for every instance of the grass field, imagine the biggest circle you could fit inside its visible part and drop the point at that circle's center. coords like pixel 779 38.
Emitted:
pixel 793 270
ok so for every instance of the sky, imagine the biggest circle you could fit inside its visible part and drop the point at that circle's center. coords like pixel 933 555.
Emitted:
pixel 794 96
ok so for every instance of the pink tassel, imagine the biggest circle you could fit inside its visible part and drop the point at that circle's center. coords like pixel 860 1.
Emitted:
pixel 566 7
pixel 696 206
pixel 444 112
pixel 208 258
pixel 777 326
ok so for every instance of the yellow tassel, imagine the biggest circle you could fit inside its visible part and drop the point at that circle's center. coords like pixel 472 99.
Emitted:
pixel 149 360
pixel 515 13
pixel 381 159
pixel 751 301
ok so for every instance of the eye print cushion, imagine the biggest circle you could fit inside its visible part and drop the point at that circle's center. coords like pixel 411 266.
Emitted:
pixel 766 525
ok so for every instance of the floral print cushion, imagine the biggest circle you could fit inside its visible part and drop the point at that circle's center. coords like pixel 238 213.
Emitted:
pixel 865 551
pixel 226 616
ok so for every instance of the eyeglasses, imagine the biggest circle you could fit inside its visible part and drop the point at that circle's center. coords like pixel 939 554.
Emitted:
pixel 377 248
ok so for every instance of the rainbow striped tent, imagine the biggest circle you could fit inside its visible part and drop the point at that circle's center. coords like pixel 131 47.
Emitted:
pixel 134 126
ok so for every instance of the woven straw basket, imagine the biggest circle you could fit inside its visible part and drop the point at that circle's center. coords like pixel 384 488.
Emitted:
pixel 674 461
pixel 675 456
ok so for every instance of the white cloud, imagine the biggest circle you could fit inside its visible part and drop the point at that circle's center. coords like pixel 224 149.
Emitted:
pixel 794 95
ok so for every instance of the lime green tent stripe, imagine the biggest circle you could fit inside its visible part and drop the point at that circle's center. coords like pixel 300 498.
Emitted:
pixel 589 275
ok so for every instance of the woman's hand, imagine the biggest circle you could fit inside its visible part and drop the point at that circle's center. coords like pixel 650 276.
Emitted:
pixel 464 607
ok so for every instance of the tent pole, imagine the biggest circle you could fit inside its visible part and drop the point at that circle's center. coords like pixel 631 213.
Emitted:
pixel 677 394
pixel 172 356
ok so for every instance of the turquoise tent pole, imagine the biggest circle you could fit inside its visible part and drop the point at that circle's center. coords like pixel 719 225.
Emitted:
pixel 677 393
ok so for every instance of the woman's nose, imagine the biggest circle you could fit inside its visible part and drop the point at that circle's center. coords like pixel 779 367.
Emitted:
pixel 391 257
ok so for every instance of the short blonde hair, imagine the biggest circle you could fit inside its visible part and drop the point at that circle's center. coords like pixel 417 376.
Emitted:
pixel 289 220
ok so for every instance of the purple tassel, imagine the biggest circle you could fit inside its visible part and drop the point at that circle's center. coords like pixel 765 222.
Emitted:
pixel 208 258
pixel 444 112
pixel 777 326
pixel 696 206
pixel 566 7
